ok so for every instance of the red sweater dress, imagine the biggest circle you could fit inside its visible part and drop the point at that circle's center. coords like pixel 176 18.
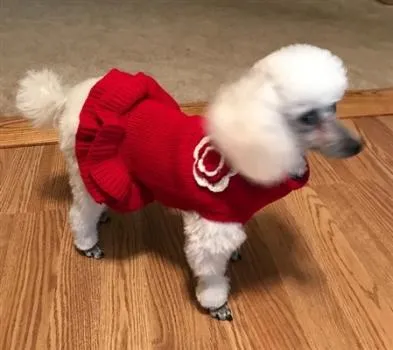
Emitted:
pixel 134 145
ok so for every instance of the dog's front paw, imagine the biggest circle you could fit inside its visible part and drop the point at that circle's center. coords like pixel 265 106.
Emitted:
pixel 223 313
pixel 96 252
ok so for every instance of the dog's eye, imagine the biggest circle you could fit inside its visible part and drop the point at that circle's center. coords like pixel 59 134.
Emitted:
pixel 310 118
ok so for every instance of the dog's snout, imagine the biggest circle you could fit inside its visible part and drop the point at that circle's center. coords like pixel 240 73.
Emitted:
pixel 353 147
pixel 344 148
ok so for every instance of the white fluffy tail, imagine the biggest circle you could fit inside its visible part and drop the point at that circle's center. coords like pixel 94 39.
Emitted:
pixel 41 97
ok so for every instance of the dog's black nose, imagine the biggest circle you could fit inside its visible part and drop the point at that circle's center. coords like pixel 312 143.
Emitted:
pixel 353 147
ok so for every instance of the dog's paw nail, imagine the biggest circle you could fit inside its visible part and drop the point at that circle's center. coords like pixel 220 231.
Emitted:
pixel 223 313
pixel 104 218
pixel 95 252
pixel 236 256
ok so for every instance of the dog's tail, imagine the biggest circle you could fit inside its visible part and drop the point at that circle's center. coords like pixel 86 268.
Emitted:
pixel 41 97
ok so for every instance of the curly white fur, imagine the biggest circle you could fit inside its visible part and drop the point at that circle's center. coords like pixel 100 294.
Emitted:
pixel 209 246
pixel 248 118
pixel 247 121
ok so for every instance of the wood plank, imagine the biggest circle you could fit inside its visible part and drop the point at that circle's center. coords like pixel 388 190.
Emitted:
pixel 17 184
pixel 16 132
pixel 39 180
pixel 344 272
pixel 366 103
pixel 386 2
pixel 29 278
pixel 312 295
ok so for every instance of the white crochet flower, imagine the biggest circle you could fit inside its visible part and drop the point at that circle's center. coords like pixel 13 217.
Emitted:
pixel 209 169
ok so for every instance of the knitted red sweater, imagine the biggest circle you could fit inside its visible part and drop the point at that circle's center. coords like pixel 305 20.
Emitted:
pixel 134 145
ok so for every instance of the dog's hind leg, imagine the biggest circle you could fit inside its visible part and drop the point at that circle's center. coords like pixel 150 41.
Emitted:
pixel 85 212
pixel 209 246
pixel 84 216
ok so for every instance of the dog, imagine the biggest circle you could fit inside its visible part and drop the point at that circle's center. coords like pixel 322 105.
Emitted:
pixel 247 151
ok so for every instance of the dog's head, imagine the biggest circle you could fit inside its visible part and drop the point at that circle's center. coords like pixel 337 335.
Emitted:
pixel 265 122
pixel 308 82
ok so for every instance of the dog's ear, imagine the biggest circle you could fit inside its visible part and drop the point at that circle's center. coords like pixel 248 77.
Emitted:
pixel 245 123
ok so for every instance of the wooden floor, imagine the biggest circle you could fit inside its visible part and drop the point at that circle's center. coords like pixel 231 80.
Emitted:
pixel 317 269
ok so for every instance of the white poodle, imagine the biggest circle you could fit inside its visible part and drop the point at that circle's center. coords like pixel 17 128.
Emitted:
pixel 127 143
